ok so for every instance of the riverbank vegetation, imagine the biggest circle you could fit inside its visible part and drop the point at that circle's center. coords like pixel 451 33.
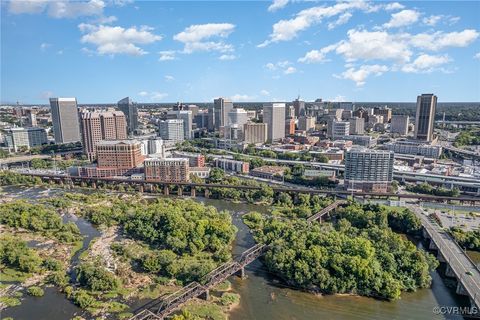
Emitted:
pixel 426 188
pixel 466 239
pixel 357 253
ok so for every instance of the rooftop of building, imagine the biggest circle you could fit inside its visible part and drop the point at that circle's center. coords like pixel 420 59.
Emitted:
pixel 270 169
pixel 115 142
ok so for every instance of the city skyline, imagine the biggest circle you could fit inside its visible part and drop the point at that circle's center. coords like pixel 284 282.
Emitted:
pixel 100 51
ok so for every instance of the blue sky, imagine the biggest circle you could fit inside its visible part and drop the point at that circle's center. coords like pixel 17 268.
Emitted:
pixel 159 51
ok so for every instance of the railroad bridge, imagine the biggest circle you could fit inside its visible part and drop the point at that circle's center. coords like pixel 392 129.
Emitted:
pixel 160 308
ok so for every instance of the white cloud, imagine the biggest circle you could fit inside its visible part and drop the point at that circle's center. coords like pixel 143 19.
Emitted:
pixel 360 75
pixel 394 6
pixel 344 18
pixel 315 56
pixel 277 4
pixel 157 96
pixel 285 30
pixel 403 18
pixel 195 37
pixel 271 66
pixel 432 20
pixel 106 20
pixel 477 56
pixel 44 46
pixel 440 40
pixel 227 57
pixel 169 78
pixel 242 97
pixel 368 45
pixel 118 40
pixel 143 93
pixel 166 55
pixel 264 92
pixel 29 7
pixel 425 63
pixel 290 70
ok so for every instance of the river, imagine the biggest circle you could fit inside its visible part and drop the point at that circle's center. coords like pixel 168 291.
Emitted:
pixel 263 296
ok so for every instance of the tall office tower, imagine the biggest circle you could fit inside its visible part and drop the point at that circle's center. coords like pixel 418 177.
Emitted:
pixel 129 109
pixel 399 124
pixel 31 117
pixel 368 170
pixel 172 129
pixel 238 116
pixel 101 125
pixel 255 132
pixel 338 129
pixel 425 116
pixel 357 125
pixel 299 106
pixel 274 117
pixel 306 123
pixel 221 108
pixel 290 126
pixel 167 170
pixel 361 113
pixel 194 108
pixel 16 138
pixel 186 116
pixel 385 112
pixel 201 120
pixel 66 126
pixel 337 113
pixel 211 118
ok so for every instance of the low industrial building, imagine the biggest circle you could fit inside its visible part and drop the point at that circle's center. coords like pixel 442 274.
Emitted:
pixel 269 172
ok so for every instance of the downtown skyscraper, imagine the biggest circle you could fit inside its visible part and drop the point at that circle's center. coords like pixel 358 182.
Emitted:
pixel 129 109
pixel 274 117
pixel 425 116
pixel 66 128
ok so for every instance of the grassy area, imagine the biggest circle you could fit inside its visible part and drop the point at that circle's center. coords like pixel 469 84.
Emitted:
pixel 205 310
pixel 11 275
pixel 224 286
pixel 155 291
pixel 76 247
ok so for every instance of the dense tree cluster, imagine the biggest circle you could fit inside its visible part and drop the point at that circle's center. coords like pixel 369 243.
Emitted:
pixel 15 253
pixel 467 239
pixel 8 178
pixel 358 254
pixel 95 277
pixel 467 138
pixel 187 238
pixel 39 218
pixel 426 188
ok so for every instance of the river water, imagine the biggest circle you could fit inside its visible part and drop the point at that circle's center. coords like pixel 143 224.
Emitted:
pixel 263 296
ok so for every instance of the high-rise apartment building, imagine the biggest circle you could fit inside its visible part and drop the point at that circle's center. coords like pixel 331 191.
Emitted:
pixel 338 129
pixel 101 125
pixel 357 125
pixel 121 155
pixel 399 124
pixel 66 126
pixel 299 106
pixel 167 170
pixel 255 132
pixel 172 129
pixel 238 116
pixel 129 109
pixel 368 170
pixel 31 117
pixel 221 109
pixel 15 138
pixel 274 117
pixel 425 116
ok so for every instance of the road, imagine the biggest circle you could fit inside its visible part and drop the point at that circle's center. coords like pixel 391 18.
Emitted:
pixel 464 268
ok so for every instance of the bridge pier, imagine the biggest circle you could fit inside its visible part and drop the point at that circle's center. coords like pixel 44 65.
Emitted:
pixel 141 188
pixel 241 273
pixel 193 192
pixel 180 191
pixel 166 190
pixel 440 257
pixel 94 185
pixel 205 295
pixel 460 289
pixel 449 272
pixel 425 233
pixel 207 193
pixel 432 245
